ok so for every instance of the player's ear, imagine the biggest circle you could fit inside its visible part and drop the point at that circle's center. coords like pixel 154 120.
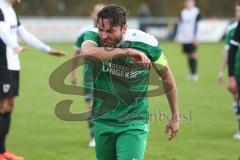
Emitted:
pixel 124 28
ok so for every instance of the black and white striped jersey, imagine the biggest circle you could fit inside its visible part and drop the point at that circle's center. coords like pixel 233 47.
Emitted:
pixel 8 26
pixel 187 27
pixel 10 31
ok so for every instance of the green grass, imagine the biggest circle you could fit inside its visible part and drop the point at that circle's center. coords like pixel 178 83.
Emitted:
pixel 37 134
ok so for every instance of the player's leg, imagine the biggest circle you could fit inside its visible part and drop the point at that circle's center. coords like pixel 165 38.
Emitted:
pixel 3 105
pixel 190 50
pixel 105 141
pixel 5 88
pixel 10 90
pixel 9 105
pixel 236 106
pixel 89 101
pixel 13 92
pixel 131 144
pixel 90 123
pixel 192 60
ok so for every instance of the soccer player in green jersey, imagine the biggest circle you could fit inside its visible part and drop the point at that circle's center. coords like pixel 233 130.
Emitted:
pixel 120 103
pixel 229 35
pixel 88 84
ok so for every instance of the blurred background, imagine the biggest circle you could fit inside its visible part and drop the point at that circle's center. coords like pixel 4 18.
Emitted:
pixel 208 122
pixel 60 20
pixel 159 8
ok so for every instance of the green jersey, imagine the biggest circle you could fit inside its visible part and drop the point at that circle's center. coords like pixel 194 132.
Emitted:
pixel 229 34
pixel 120 86
pixel 87 72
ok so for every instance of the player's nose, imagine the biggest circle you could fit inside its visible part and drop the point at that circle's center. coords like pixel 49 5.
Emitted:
pixel 104 35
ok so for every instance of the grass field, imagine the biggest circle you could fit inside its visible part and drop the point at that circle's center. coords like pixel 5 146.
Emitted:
pixel 206 131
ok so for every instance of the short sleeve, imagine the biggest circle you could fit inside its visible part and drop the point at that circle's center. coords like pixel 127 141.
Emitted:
pixel 18 22
pixel 92 36
pixel 79 41
pixel 1 16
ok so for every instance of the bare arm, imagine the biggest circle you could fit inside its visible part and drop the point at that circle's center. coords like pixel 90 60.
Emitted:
pixel 171 92
pixel 75 60
pixel 90 50
pixel 223 66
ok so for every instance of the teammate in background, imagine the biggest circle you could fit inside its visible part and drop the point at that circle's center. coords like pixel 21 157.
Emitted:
pixel 120 105
pixel 229 35
pixel 234 74
pixel 87 74
pixel 10 30
pixel 186 35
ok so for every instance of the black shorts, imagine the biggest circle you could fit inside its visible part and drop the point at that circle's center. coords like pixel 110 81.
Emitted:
pixel 189 48
pixel 88 94
pixel 9 83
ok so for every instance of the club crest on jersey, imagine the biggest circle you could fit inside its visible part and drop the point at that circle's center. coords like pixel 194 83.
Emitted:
pixel 6 88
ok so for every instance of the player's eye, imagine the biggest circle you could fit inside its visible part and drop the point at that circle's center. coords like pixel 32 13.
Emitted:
pixel 109 31
pixel 100 30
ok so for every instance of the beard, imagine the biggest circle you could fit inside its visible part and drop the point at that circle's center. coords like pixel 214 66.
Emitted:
pixel 112 43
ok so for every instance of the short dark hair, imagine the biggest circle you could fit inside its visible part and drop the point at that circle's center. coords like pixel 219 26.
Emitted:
pixel 117 15
pixel 237 3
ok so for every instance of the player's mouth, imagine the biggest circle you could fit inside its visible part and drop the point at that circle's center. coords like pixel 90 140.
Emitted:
pixel 108 43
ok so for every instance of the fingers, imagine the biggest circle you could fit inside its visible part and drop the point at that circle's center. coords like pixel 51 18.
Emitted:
pixel 172 129
pixel 232 88
pixel 170 133
pixel 220 78
pixel 173 135
pixel 146 63
pixel 57 53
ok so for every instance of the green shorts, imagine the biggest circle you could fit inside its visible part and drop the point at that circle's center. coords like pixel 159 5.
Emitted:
pixel 120 142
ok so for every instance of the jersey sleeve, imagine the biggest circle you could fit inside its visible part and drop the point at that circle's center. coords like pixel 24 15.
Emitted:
pixel 198 18
pixel 152 52
pixel 93 37
pixel 18 22
pixel 233 49
pixel 236 38
pixel 79 42
pixel 227 40
pixel 1 16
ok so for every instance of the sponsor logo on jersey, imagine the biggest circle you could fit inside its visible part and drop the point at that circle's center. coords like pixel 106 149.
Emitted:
pixel 6 88
pixel 121 70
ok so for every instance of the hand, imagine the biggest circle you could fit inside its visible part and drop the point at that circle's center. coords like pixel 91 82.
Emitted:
pixel 73 78
pixel 232 85
pixel 140 58
pixel 172 128
pixel 19 50
pixel 56 53
pixel 220 77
